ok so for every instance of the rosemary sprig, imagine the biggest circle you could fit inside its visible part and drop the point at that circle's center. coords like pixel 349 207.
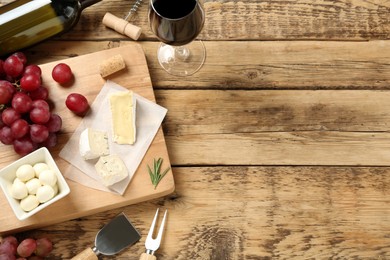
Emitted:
pixel 156 175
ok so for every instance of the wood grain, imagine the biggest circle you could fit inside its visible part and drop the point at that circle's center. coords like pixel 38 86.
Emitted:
pixel 251 20
pixel 285 84
pixel 327 212
pixel 257 213
pixel 277 127
pixel 260 65
pixel 354 20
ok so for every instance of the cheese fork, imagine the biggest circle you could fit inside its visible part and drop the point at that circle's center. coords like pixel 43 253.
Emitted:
pixel 152 244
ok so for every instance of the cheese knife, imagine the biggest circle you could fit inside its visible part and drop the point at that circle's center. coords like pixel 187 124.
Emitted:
pixel 116 235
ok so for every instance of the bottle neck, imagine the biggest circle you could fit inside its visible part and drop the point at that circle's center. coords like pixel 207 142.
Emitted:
pixel 87 3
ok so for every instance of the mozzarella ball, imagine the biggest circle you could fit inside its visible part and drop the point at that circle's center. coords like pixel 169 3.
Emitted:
pixel 29 203
pixel 40 167
pixel 25 172
pixel 48 177
pixel 19 189
pixel 33 185
pixel 55 188
pixel 45 193
pixel 17 180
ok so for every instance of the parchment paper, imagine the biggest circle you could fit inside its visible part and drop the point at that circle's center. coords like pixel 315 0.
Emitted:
pixel 149 116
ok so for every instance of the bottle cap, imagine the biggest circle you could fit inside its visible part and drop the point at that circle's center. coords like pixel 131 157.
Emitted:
pixel 122 26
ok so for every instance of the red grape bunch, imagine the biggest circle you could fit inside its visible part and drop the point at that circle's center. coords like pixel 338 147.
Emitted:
pixel 26 119
pixel 28 248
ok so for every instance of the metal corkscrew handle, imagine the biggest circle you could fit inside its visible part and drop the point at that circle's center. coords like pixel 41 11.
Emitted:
pixel 133 9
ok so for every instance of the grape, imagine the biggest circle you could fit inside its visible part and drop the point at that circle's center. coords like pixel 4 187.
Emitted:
pixel 39 115
pixel 6 136
pixel 30 82
pixel 2 72
pixel 62 73
pixel 5 95
pixel 77 103
pixel 9 78
pixel 6 91
pixel 40 103
pixel 9 245
pixel 12 240
pixel 27 247
pixel 39 93
pixel 6 247
pixel 13 66
pixel 21 102
pixel 44 247
pixel 19 128
pixel 8 85
pixel 51 141
pixel 38 133
pixel 26 120
pixel 21 57
pixel 54 124
pixel 24 145
pixel 33 69
pixel 9 116
pixel 6 256
pixel 1 121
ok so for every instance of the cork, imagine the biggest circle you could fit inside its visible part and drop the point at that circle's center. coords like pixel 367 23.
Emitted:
pixel 112 65
pixel 122 26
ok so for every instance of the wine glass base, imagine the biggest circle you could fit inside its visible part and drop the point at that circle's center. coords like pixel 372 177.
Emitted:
pixel 182 60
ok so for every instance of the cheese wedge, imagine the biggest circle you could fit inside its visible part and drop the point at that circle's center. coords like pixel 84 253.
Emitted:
pixel 123 110
pixel 93 144
pixel 111 169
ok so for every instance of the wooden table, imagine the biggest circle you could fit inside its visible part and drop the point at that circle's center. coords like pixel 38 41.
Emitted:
pixel 280 144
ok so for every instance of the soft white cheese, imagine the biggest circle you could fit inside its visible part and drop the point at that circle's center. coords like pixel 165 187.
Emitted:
pixel 29 203
pixel 25 172
pixel 19 189
pixel 93 144
pixel 40 167
pixel 45 193
pixel 111 169
pixel 48 177
pixel 33 185
pixel 123 110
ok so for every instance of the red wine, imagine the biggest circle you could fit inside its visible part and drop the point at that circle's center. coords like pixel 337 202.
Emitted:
pixel 174 9
pixel 176 22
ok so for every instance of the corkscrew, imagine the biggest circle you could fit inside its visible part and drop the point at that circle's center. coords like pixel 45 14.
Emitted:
pixel 133 10
pixel 123 26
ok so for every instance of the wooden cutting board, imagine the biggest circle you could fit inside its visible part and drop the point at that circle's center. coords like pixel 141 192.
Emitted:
pixel 83 201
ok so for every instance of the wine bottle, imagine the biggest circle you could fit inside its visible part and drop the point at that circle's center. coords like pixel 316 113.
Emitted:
pixel 26 22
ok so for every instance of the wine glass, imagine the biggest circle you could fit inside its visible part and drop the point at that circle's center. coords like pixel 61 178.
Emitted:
pixel 176 23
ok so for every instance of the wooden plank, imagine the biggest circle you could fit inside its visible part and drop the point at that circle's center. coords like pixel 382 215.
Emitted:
pixel 266 20
pixel 284 65
pixel 282 127
pixel 254 20
pixel 256 213
pixel 262 65
pixel 283 148
pixel 82 200
pixel 259 111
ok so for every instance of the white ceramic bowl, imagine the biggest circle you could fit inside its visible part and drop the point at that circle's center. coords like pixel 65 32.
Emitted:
pixel 8 174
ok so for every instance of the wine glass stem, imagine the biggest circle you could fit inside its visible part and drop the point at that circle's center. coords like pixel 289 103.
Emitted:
pixel 182 53
pixel 182 60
